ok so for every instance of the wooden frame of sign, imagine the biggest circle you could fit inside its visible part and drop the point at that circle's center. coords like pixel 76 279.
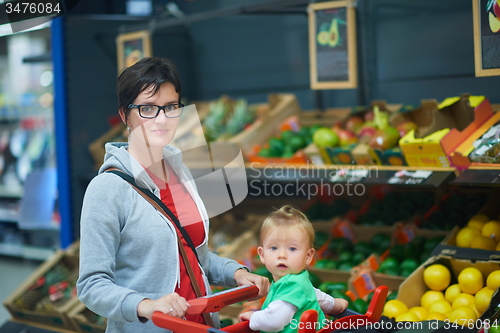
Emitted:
pixel 332 45
pixel 486 40
pixel 132 47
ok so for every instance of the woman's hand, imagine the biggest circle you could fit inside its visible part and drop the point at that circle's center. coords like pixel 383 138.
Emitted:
pixel 242 278
pixel 171 304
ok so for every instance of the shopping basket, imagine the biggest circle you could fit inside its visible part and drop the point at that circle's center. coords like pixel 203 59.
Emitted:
pixel 217 301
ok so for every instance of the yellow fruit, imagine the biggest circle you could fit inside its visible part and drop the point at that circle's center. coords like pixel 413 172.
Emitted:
pixel 492 229
pixel 483 299
pixel 420 311
pixel 407 317
pixel 441 306
pixel 430 297
pixel 452 292
pixel 436 316
pixel 437 277
pixel 493 280
pixel 394 308
pixel 470 280
pixel 483 243
pixel 465 236
pixel 464 316
pixel 464 299
pixel 478 221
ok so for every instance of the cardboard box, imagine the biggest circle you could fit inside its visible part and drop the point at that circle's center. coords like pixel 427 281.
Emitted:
pixel 412 289
pixel 80 315
pixel 57 318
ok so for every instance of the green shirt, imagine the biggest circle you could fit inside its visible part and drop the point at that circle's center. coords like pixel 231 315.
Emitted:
pixel 295 289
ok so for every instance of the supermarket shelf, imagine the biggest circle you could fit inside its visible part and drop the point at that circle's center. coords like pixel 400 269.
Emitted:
pixel 11 191
pixel 478 177
pixel 24 251
pixel 363 174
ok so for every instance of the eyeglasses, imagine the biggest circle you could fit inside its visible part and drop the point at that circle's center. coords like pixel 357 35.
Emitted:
pixel 152 111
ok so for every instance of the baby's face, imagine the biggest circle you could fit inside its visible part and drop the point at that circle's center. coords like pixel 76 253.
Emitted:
pixel 286 250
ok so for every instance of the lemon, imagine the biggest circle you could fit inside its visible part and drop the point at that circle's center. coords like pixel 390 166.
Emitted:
pixel 470 280
pixel 483 243
pixel 437 277
pixel 465 236
pixel 464 316
pixel 394 308
pixel 408 316
pixel 493 280
pixel 420 311
pixel 441 306
pixel 452 292
pixel 464 299
pixel 483 299
pixel 436 316
pixel 478 221
pixel 430 297
pixel 492 230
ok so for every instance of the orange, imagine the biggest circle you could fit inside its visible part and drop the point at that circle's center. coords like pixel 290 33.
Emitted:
pixel 492 229
pixel 470 280
pixel 483 243
pixel 478 221
pixel 452 292
pixel 464 316
pixel 430 297
pixel 442 306
pixel 437 277
pixel 394 308
pixel 408 316
pixel 493 280
pixel 464 299
pixel 436 316
pixel 465 236
pixel 420 311
pixel 483 299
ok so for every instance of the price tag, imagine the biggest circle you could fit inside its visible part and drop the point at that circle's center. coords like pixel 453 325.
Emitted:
pixel 410 178
pixel 352 176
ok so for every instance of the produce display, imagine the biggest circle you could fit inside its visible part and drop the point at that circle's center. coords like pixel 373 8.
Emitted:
pixel 480 233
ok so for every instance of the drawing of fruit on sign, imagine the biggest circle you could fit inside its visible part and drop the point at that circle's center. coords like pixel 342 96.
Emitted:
pixel 329 34
pixel 494 22
pixel 494 15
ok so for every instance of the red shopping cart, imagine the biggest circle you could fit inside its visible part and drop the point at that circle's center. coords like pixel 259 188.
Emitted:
pixel 219 300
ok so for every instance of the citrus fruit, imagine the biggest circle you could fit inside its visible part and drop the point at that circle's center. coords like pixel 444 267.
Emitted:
pixel 394 308
pixel 470 280
pixel 441 306
pixel 436 316
pixel 430 297
pixel 408 316
pixel 478 221
pixel 420 311
pixel 325 137
pixel 483 243
pixel 464 316
pixel 465 236
pixel 483 299
pixel 452 292
pixel 464 299
pixel 493 280
pixel 492 229
pixel 437 277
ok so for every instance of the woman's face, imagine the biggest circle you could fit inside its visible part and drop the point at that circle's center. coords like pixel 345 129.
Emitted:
pixel 157 132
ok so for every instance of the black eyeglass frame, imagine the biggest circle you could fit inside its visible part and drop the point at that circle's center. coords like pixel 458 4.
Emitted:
pixel 160 108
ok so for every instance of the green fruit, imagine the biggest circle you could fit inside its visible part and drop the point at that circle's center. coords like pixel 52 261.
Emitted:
pixel 389 262
pixel 315 280
pixel 339 294
pixel 363 247
pixel 345 266
pixel 287 135
pixel 320 239
pixel 329 287
pixel 358 258
pixel 409 264
pixel 394 271
pixel 369 297
pixel 276 145
pixel 297 142
pixel 345 256
pixel 265 152
pixel 325 137
pixel 313 129
pixel 325 264
pixel 405 272
pixel 391 296
pixel 360 306
pixel 288 152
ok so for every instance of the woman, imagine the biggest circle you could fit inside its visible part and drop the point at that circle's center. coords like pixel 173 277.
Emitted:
pixel 130 264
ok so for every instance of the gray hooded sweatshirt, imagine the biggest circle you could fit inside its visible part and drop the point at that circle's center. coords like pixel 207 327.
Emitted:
pixel 128 250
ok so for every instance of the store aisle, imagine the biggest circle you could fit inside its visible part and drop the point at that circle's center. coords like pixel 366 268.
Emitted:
pixel 13 271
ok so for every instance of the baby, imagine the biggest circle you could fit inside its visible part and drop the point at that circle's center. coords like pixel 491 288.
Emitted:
pixel 286 239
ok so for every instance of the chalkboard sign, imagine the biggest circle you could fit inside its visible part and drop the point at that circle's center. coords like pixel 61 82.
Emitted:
pixel 486 15
pixel 332 45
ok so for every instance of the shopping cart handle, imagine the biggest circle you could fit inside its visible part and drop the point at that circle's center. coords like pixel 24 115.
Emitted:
pixel 215 302
pixel 345 313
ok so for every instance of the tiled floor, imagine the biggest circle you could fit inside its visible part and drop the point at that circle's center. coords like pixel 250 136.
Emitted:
pixel 13 271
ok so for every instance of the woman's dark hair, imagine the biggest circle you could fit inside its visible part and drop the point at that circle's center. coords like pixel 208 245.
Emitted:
pixel 145 73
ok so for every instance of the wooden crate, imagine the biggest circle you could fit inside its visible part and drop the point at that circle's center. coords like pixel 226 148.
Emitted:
pixel 79 315
pixel 57 318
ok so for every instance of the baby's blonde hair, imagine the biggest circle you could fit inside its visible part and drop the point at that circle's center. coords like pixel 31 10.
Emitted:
pixel 286 216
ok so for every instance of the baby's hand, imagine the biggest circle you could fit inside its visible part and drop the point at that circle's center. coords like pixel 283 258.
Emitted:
pixel 340 305
pixel 246 315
